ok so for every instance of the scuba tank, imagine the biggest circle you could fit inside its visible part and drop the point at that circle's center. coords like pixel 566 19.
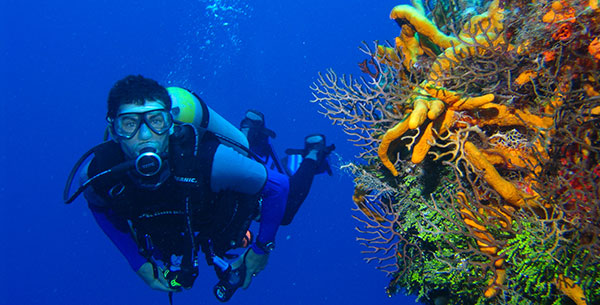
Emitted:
pixel 187 107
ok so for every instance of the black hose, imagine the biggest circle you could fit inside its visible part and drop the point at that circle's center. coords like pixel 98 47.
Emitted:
pixel 66 197
pixel 116 169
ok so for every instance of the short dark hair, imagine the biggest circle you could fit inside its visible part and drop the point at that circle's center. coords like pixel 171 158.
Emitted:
pixel 135 89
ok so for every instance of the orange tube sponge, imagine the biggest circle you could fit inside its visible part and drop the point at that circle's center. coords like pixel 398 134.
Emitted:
pixel 507 117
pixel 590 91
pixel 440 125
pixel 422 147
pixel 506 189
pixel 455 100
pixel 389 136
pixel 408 44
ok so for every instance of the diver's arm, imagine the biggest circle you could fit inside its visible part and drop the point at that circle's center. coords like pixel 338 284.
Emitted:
pixel 115 227
pixel 117 230
pixel 274 194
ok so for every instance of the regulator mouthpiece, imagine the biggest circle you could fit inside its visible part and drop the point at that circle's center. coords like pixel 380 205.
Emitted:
pixel 148 163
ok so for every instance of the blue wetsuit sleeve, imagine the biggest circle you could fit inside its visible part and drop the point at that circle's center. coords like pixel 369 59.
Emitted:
pixel 116 228
pixel 275 195
pixel 113 226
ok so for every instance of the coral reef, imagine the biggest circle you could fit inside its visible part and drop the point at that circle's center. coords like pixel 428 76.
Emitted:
pixel 478 181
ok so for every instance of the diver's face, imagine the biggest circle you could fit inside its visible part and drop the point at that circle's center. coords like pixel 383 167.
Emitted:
pixel 144 137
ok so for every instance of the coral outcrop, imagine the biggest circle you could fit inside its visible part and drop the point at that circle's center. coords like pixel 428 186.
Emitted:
pixel 479 178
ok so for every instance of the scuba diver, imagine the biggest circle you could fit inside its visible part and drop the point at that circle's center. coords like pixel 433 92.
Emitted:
pixel 176 179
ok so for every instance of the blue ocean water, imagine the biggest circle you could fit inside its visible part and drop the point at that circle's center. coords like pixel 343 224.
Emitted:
pixel 60 58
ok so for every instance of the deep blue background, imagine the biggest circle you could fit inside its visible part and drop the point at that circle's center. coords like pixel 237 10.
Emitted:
pixel 58 61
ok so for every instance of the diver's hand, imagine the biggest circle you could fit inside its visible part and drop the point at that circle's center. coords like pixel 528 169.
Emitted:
pixel 255 263
pixel 146 272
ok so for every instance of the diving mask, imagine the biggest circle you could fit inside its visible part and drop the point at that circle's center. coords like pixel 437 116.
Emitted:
pixel 126 125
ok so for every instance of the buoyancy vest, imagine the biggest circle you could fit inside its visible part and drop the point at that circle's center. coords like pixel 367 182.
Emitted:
pixel 182 213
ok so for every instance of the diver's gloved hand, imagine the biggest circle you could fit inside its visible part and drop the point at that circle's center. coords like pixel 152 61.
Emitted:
pixel 154 278
pixel 254 262
pixel 180 279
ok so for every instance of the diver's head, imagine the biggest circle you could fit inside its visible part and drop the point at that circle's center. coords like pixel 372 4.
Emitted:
pixel 139 116
pixel 136 90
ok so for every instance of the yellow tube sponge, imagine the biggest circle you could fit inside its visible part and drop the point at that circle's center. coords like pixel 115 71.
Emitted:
pixel 388 56
pixel 415 24
pixel 436 107
pixel 406 14
pixel 489 22
pixel 483 30
pixel 419 114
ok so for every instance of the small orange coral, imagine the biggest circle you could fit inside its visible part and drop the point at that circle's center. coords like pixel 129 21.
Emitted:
pixel 590 91
pixel 594 48
pixel 494 285
pixel 549 56
pixel 564 32
pixel 525 77
pixel 559 12
pixel 563 16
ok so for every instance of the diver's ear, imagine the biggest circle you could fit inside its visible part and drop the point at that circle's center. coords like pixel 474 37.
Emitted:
pixel 108 133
